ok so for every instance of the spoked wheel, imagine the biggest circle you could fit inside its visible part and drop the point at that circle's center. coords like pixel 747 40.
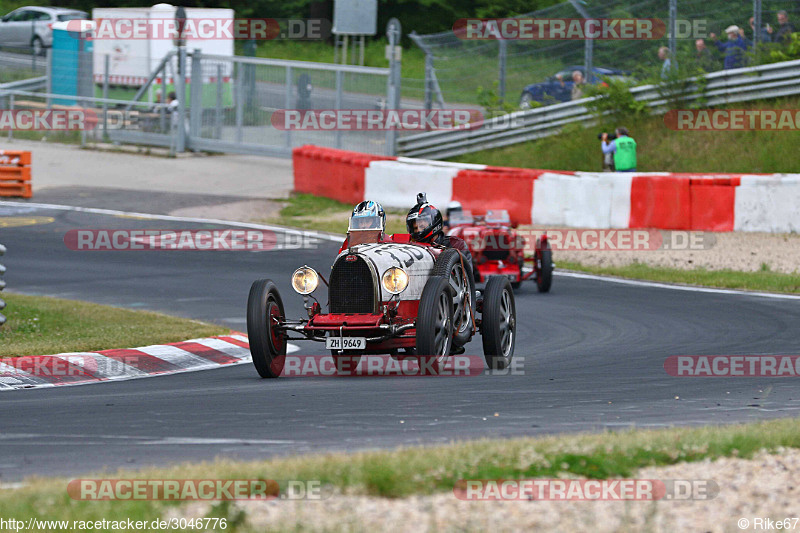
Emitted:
pixel 435 323
pixel 450 267
pixel 267 342
pixel 543 263
pixel 499 323
pixel 346 363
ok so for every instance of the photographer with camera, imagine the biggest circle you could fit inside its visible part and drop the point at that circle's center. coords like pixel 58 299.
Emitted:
pixel 623 147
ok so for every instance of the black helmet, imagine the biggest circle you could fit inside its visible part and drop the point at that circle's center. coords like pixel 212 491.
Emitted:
pixel 424 222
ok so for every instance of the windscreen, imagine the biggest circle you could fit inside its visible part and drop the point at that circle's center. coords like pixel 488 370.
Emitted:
pixel 366 223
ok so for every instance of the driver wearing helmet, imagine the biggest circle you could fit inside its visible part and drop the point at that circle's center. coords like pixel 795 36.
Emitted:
pixel 425 224
pixel 362 218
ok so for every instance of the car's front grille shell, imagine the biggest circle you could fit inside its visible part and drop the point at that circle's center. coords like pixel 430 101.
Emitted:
pixel 352 287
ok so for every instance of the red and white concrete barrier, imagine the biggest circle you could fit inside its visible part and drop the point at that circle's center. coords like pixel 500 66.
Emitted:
pixel 662 200
pixel 79 368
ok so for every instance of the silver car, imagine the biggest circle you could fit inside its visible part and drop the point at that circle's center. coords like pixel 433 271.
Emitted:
pixel 31 26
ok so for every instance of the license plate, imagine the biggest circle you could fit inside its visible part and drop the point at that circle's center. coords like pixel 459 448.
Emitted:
pixel 346 343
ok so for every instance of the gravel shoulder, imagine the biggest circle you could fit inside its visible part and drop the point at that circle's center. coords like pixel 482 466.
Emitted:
pixel 741 251
pixel 764 486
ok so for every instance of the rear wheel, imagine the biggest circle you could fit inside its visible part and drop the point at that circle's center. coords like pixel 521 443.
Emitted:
pixel 499 323
pixel 451 266
pixel 435 322
pixel 37 46
pixel 543 263
pixel 267 341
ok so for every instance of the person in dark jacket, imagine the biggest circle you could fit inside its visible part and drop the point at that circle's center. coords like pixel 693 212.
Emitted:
pixel 734 48
pixel 785 29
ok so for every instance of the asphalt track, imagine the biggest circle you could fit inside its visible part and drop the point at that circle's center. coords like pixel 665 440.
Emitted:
pixel 592 353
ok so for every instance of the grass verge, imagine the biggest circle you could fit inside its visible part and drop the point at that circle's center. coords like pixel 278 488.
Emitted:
pixel 311 212
pixel 427 470
pixel 763 280
pixel 39 325
pixel 660 148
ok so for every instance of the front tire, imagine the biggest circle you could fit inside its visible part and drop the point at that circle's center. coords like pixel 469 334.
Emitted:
pixel 435 321
pixel 543 263
pixel 499 323
pixel 449 267
pixel 267 342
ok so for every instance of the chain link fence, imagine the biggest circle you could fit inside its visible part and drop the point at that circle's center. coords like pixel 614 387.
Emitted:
pixel 467 72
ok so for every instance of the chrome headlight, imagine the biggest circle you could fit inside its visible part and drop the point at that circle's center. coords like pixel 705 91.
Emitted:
pixel 305 280
pixel 395 280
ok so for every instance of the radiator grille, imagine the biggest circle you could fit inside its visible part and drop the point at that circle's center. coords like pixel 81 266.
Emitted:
pixel 352 289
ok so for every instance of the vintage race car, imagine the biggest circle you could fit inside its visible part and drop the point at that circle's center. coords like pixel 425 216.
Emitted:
pixel 498 250
pixel 386 295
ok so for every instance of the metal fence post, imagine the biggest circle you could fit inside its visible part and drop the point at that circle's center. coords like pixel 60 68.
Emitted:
pixel 502 54
pixel 588 51
pixel 287 102
pixel 218 109
pixel 239 101
pixel 338 105
pixel 195 95
pixel 393 30
pixel 428 81
pixel 11 108
pixel 673 27
pixel 180 87
pixel 756 24
pixel 106 63
pixel 2 286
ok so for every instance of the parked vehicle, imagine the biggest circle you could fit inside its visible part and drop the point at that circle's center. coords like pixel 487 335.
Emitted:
pixel 31 26
pixel 551 91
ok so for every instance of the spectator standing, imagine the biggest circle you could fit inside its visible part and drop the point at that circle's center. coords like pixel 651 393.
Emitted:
pixel 704 57
pixel 623 148
pixel 577 85
pixel 785 29
pixel 667 66
pixel 763 34
pixel 734 48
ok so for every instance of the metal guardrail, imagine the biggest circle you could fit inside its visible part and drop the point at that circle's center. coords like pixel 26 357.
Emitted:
pixel 724 87
pixel 31 84
pixel 2 286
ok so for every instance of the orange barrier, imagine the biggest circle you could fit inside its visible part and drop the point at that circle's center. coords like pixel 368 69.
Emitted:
pixel 15 173
pixel 337 174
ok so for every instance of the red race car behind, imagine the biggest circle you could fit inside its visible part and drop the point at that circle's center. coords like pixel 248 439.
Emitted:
pixel 498 249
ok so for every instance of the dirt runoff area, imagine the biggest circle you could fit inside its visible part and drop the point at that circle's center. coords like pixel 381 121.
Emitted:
pixel 747 252
pixel 763 488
